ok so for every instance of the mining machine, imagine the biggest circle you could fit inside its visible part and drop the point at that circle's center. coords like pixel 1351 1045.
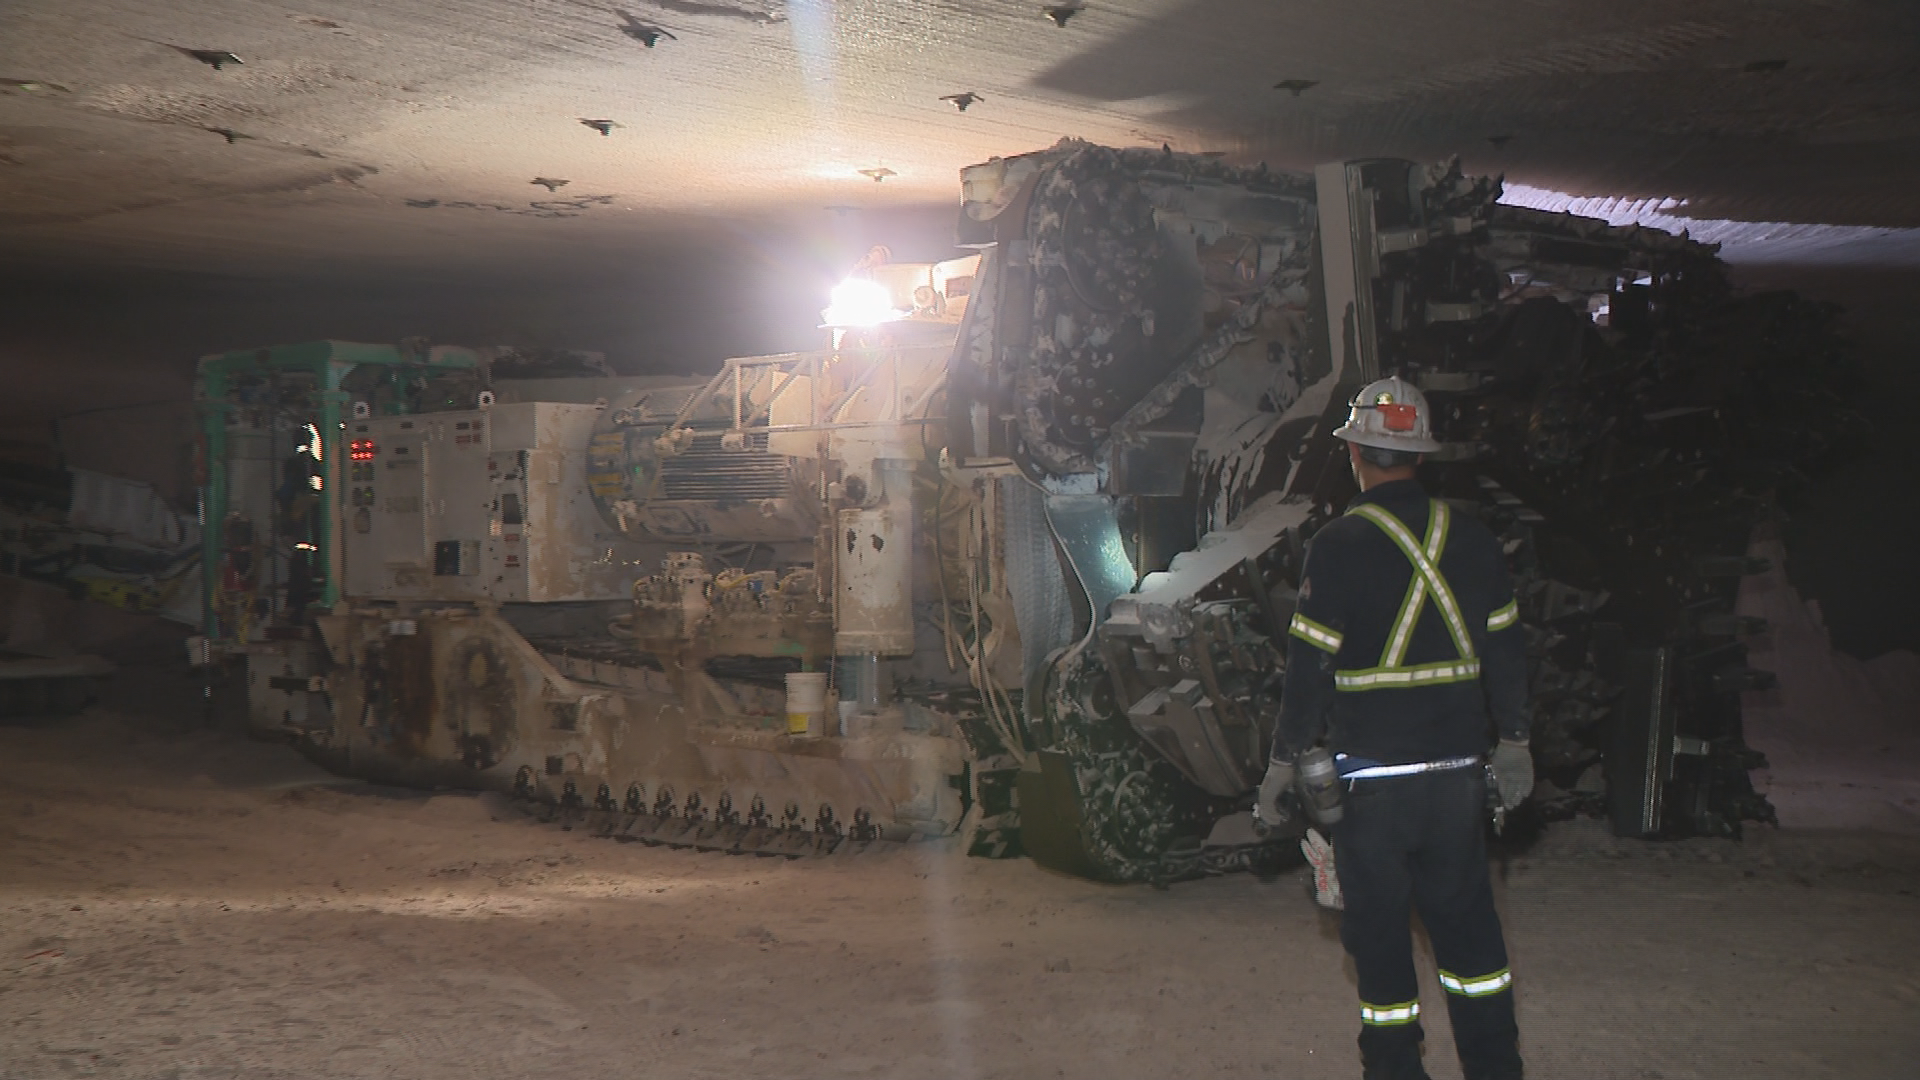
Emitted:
pixel 1011 558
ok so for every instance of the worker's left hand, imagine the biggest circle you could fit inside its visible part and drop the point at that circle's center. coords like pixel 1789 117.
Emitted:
pixel 1513 772
pixel 1266 805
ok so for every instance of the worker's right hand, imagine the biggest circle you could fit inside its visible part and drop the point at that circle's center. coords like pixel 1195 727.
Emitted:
pixel 1266 805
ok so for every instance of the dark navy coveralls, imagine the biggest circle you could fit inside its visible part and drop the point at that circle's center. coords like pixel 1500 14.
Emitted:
pixel 1405 642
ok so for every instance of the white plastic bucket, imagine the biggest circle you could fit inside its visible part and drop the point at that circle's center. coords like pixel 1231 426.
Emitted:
pixel 806 702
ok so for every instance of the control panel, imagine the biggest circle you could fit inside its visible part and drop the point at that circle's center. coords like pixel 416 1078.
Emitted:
pixel 486 504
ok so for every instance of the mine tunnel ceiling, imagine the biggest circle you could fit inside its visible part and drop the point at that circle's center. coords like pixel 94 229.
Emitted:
pixel 224 134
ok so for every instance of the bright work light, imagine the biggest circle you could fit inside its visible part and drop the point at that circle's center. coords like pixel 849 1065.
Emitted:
pixel 859 302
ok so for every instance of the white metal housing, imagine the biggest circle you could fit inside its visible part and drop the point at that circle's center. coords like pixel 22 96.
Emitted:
pixel 479 505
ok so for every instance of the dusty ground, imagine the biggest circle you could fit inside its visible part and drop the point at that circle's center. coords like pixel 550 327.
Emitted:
pixel 180 903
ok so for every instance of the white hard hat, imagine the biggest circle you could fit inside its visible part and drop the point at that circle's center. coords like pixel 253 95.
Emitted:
pixel 1390 414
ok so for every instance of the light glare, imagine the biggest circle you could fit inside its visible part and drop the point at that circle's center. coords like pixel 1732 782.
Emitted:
pixel 859 302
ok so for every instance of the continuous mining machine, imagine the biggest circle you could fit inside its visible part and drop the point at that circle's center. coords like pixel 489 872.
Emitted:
pixel 1012 559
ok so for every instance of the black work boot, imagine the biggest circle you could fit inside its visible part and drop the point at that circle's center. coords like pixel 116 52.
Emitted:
pixel 1392 1052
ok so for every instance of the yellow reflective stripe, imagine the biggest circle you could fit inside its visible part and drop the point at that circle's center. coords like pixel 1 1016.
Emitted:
pixel 1405 1012
pixel 1424 568
pixel 1504 617
pixel 1378 678
pixel 1477 987
pixel 1416 585
pixel 1438 521
pixel 1315 634
pixel 1403 623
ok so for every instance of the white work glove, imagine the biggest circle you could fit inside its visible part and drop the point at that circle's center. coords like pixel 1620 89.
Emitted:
pixel 1266 805
pixel 1326 884
pixel 1512 772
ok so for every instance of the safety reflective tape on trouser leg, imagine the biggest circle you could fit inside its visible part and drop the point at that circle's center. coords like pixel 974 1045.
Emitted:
pixel 1406 1012
pixel 1477 987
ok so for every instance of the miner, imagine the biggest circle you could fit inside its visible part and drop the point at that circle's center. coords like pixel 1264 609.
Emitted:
pixel 1406 649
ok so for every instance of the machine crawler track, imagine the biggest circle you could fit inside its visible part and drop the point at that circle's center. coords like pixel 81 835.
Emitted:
pixel 797 840
pixel 691 827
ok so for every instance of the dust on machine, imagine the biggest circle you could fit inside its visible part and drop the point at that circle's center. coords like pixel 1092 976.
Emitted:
pixel 1010 559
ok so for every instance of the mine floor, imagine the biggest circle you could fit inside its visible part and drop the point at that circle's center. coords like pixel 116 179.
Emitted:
pixel 182 903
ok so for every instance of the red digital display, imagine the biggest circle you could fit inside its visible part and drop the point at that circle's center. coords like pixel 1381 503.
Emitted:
pixel 361 450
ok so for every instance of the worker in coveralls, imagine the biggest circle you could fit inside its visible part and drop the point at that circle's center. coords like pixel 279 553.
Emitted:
pixel 1406 639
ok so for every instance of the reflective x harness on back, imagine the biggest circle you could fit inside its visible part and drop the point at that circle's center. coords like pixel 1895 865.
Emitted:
pixel 1426 581
pixel 1392 671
